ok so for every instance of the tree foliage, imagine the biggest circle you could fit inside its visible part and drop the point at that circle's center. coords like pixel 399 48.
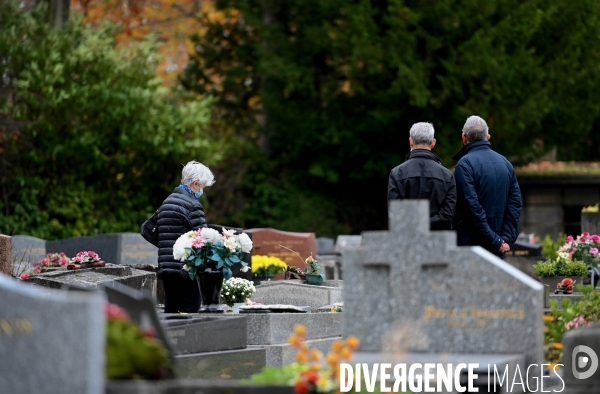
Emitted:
pixel 334 86
pixel 89 140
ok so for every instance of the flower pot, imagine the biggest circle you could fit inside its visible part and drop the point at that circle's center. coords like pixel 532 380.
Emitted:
pixel 262 278
pixel 553 281
pixel 236 307
pixel 314 279
pixel 210 282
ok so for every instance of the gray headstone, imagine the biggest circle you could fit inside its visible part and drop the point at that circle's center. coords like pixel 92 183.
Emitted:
pixel 416 291
pixel 324 245
pixel 51 341
pixel 96 278
pixel 344 242
pixel 6 254
pixel 118 248
pixel 29 249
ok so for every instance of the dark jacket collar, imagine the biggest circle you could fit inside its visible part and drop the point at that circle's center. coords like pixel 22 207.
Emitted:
pixel 423 154
pixel 184 194
pixel 477 145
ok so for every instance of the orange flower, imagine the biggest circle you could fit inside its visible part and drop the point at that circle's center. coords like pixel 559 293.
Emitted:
pixel 337 346
pixel 546 329
pixel 553 365
pixel 295 340
pixel 557 345
pixel 300 330
pixel 333 359
pixel 346 353
pixel 315 367
pixel 315 355
pixel 352 342
pixel 548 318
pixel 302 357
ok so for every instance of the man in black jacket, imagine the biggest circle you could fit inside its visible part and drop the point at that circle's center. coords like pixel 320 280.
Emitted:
pixel 422 176
pixel 489 200
pixel 179 213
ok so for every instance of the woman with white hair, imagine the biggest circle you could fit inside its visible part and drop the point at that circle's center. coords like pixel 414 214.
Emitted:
pixel 178 214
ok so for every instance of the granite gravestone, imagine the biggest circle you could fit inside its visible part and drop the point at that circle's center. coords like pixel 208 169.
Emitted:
pixel 118 248
pixel 29 249
pixel 51 341
pixel 416 291
pixel 266 243
pixel 344 242
pixel 5 254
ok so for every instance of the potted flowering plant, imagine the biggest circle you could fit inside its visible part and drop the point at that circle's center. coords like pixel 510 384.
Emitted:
pixel 266 267
pixel 312 269
pixel 584 248
pixel 208 256
pixel 235 292
pixel 88 259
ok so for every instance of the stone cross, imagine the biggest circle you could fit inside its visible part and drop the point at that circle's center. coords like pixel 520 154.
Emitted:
pixel 412 290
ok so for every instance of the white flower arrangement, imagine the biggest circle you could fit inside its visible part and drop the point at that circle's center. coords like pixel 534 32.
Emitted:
pixel 236 290
pixel 208 248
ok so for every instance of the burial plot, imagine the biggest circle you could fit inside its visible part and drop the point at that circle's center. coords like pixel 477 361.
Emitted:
pixel 411 290
pixel 51 341
pixel 266 243
pixel 95 278
pixel 118 248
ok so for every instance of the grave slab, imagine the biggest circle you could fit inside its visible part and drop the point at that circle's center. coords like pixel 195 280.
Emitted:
pixel 206 334
pixel 414 291
pixel 286 292
pixel 95 278
pixel 230 364
pixel 193 386
pixel 276 328
pixel 282 354
pixel 52 340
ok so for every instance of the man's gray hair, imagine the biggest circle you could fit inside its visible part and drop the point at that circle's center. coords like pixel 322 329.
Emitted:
pixel 475 129
pixel 194 171
pixel 422 133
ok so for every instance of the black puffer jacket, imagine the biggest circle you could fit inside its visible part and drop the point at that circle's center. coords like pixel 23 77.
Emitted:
pixel 177 215
pixel 422 176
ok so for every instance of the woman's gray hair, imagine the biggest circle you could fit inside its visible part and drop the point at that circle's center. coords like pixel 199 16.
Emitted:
pixel 422 133
pixel 475 129
pixel 194 171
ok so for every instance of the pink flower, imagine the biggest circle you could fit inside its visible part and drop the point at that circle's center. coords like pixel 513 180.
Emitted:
pixel 24 277
pixel 113 312
pixel 570 238
pixel 594 251
pixel 595 238
pixel 197 242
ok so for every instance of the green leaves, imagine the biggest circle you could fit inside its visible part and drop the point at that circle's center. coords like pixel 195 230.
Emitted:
pixel 90 141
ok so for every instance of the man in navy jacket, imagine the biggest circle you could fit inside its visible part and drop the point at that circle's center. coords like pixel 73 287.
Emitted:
pixel 489 199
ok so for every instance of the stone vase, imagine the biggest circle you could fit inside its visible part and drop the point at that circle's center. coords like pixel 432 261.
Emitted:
pixel 314 279
pixel 236 307
pixel 210 282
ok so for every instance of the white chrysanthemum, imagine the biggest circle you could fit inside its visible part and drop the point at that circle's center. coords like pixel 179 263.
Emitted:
pixel 184 241
pixel 231 244
pixel 210 235
pixel 245 242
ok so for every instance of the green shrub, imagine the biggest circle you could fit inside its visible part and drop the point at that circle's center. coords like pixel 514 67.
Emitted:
pixel 550 247
pixel 560 267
